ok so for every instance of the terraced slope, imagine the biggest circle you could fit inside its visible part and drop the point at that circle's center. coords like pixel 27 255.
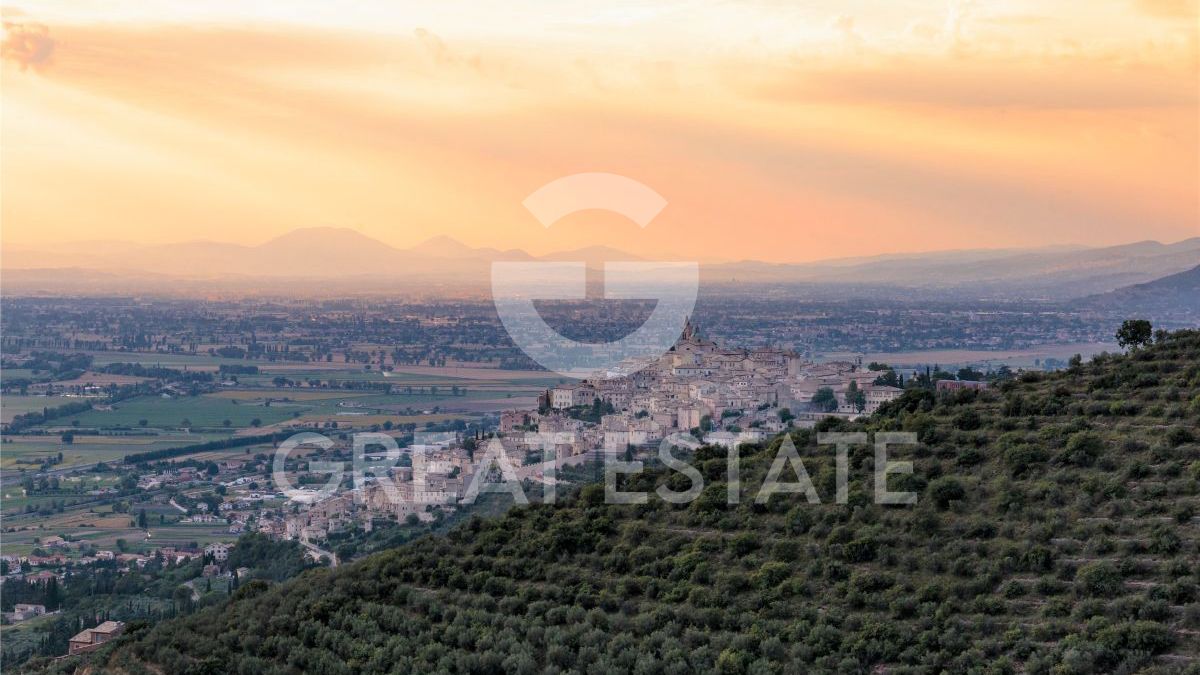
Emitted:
pixel 1055 531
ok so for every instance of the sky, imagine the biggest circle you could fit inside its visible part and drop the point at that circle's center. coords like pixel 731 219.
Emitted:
pixel 774 130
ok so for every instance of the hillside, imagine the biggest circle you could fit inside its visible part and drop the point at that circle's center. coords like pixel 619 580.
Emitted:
pixel 1176 296
pixel 1055 531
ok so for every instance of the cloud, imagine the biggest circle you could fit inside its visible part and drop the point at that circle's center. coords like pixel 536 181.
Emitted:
pixel 966 83
pixel 923 30
pixel 279 128
pixel 958 19
pixel 1169 9
pixel 843 25
pixel 29 45
pixel 443 55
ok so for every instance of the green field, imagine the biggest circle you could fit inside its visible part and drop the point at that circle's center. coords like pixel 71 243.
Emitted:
pixel 201 411
pixel 200 361
pixel 12 405
pixel 31 451
pixel 74 488
pixel 104 529
pixel 14 373
pixel 233 409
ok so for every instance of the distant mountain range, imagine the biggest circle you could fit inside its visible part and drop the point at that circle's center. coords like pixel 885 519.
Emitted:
pixel 341 258
pixel 1176 295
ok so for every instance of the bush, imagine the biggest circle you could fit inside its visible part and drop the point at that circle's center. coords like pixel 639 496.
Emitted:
pixel 1083 448
pixel 1138 636
pixel 1098 579
pixel 1177 436
pixel 945 490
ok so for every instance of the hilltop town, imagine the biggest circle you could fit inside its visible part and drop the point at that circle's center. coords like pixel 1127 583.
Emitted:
pixel 697 391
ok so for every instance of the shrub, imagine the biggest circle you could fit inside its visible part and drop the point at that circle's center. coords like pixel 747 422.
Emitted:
pixel 1098 579
pixel 945 490
pixel 1177 436
pixel 1083 448
pixel 1138 636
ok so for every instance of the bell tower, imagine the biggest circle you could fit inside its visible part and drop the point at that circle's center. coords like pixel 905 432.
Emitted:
pixel 689 331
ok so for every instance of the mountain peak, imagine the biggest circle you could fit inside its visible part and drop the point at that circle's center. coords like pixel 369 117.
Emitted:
pixel 324 235
pixel 442 246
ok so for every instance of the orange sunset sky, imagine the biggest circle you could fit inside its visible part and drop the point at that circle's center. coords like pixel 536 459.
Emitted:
pixel 782 131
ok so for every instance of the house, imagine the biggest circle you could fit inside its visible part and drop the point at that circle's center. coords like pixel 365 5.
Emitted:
pixel 41 577
pixel 959 385
pixel 218 551
pixel 513 419
pixel 571 395
pixel 878 394
pixel 90 639
pixel 23 612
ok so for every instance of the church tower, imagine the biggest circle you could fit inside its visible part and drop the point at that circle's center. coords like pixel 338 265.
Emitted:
pixel 689 331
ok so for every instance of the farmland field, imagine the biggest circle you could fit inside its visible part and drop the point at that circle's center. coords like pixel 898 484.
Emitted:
pixel 31 451
pixel 12 405
pixel 14 373
pixel 193 361
pixel 103 528
pixel 278 394
pixel 201 411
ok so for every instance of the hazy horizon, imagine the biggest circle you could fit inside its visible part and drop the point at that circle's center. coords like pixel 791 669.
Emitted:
pixel 448 240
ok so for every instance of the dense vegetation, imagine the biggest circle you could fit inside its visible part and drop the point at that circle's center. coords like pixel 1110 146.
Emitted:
pixel 207 446
pixel 1055 533
pixel 101 591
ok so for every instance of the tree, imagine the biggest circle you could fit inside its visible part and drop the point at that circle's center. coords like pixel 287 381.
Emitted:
pixel 182 598
pixel 825 400
pixel 1134 333
pixel 889 379
pixel 856 397
pixel 969 374
pixel 141 519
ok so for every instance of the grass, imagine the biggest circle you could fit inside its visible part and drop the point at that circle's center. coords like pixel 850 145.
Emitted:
pixel 105 528
pixel 202 411
pixel 276 394
pixel 12 405
pixel 197 361
pixel 29 452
